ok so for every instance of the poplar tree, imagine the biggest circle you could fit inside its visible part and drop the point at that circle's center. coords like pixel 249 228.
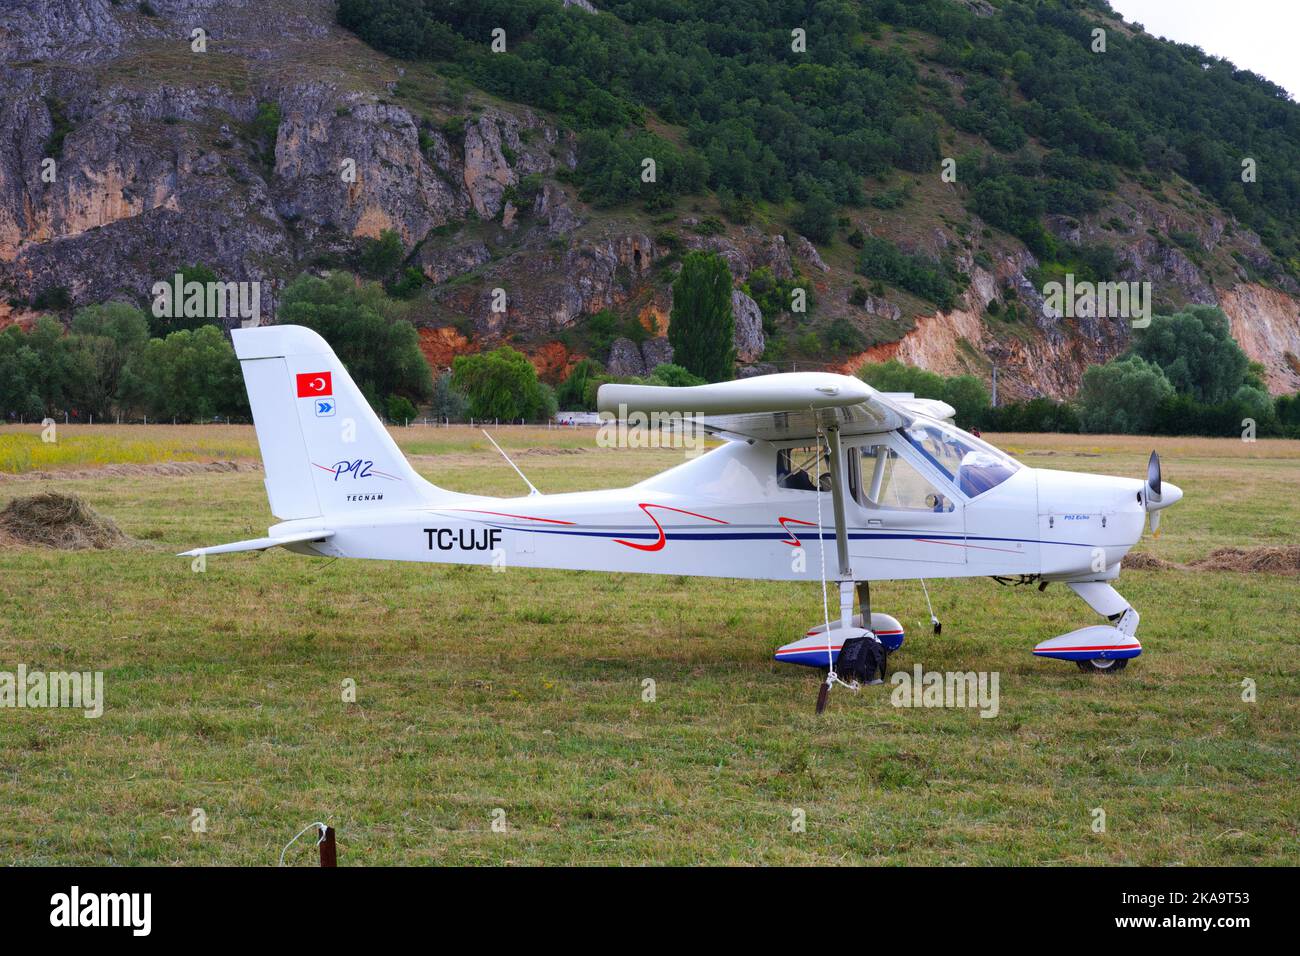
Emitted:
pixel 702 328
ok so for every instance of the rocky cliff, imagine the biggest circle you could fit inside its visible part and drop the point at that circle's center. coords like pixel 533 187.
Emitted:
pixel 284 142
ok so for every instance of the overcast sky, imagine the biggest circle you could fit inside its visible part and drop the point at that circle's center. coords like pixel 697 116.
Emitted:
pixel 1257 35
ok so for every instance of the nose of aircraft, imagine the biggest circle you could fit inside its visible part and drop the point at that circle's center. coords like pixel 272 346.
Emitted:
pixel 1170 494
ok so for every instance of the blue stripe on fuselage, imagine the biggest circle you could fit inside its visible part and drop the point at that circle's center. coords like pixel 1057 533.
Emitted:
pixel 675 535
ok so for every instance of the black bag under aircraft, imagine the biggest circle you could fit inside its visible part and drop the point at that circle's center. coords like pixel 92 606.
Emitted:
pixel 862 659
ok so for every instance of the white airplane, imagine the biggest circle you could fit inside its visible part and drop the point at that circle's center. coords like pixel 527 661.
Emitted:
pixel 819 477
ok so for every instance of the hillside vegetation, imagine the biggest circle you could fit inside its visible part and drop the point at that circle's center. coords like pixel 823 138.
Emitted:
pixel 1054 123
pixel 881 180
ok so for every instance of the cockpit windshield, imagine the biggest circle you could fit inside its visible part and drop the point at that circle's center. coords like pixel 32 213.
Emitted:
pixel 975 467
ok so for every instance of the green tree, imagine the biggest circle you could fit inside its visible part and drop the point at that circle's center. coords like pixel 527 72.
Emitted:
pixel 881 259
pixel 105 339
pixel 191 375
pixel 265 129
pixel 1287 408
pixel 701 327
pixel 816 219
pixel 578 390
pixel 843 336
pixel 52 374
pixel 1256 403
pixel 894 376
pixel 965 393
pixel 400 409
pixel 1122 396
pixel 20 394
pixel 775 296
pixel 673 376
pixel 916 143
pixel 161 326
pixel 1195 350
pixel 366 329
pixel 610 166
pixel 380 256
pixel 448 401
pixel 969 399
pixel 502 384
pixel 1036 415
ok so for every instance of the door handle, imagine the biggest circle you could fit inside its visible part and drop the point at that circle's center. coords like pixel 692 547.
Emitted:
pixel 875 523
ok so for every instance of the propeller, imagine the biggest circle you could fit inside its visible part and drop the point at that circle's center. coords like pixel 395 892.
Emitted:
pixel 1152 492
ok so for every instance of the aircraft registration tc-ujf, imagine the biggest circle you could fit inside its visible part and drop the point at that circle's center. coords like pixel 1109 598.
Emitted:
pixel 875 486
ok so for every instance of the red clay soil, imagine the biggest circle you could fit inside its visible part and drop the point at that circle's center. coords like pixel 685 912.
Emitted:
pixel 554 362
pixel 442 345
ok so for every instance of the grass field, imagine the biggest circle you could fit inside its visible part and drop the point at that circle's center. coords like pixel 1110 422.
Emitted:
pixel 522 692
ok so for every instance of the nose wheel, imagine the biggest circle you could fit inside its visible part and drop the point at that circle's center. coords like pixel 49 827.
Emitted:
pixel 1103 666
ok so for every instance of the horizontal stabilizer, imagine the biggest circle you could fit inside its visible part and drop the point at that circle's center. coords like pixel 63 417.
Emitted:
pixel 259 544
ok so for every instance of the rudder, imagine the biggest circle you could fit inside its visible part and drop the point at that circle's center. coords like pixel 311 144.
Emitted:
pixel 324 449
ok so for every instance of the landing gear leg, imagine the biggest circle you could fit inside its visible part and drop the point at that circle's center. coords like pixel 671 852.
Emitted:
pixel 864 605
pixel 864 602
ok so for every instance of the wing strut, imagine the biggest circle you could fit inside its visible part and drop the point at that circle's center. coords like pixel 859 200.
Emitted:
pixel 836 462
pixel 837 500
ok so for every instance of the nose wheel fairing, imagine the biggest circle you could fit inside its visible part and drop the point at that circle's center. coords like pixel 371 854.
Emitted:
pixel 1098 642
pixel 1116 641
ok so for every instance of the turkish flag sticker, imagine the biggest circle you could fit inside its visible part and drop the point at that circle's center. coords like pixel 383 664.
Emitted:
pixel 314 384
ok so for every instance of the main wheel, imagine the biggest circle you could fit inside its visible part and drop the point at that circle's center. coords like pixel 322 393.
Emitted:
pixel 1103 665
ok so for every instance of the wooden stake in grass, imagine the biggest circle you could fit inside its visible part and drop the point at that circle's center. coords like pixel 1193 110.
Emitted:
pixel 823 695
pixel 329 853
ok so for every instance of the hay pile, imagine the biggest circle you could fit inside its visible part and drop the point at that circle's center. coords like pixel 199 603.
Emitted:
pixel 1263 560
pixel 55 520
pixel 1141 561
pixel 1243 560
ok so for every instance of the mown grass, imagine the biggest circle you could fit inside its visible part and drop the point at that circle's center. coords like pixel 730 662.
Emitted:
pixel 523 691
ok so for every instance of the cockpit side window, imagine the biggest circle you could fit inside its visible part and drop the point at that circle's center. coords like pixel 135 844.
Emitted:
pixel 886 480
pixel 800 469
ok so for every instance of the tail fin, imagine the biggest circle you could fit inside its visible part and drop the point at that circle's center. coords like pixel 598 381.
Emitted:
pixel 324 450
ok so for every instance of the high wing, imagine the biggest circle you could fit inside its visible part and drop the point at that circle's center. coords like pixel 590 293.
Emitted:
pixel 790 405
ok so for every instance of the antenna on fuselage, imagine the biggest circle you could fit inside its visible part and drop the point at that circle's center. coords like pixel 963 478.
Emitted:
pixel 532 490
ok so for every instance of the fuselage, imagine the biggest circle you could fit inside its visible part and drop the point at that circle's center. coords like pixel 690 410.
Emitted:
pixel 819 477
pixel 735 512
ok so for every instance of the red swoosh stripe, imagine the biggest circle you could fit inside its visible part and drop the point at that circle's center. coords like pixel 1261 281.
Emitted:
pixel 502 514
pixel 794 541
pixel 1099 647
pixel 658 545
